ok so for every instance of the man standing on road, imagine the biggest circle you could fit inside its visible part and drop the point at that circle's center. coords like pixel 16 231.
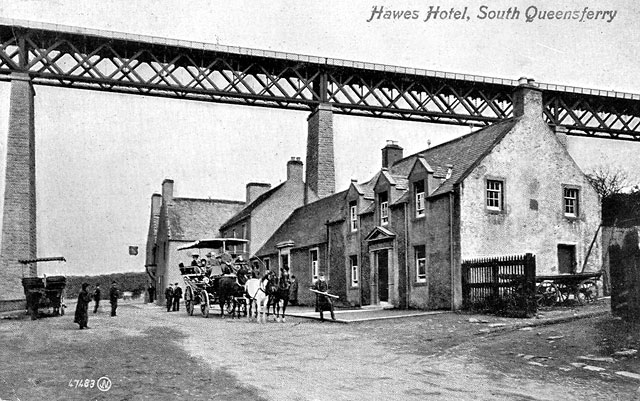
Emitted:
pixel 323 302
pixel 168 296
pixel 177 295
pixel 113 298
pixel 152 293
pixel 96 298
pixel 293 291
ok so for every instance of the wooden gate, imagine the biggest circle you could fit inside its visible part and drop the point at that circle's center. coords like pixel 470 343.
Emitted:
pixel 504 285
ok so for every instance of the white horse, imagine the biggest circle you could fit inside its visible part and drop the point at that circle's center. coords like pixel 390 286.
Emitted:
pixel 258 292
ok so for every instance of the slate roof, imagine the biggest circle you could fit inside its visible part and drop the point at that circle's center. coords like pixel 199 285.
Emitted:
pixel 366 188
pixel 462 153
pixel 246 212
pixel 306 225
pixel 191 219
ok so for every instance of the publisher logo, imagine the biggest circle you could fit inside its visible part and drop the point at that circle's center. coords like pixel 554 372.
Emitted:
pixel 104 383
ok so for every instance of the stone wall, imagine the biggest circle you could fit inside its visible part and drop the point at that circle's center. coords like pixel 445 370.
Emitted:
pixel 320 174
pixel 534 167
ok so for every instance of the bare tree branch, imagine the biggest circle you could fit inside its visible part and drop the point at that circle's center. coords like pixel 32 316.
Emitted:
pixel 608 180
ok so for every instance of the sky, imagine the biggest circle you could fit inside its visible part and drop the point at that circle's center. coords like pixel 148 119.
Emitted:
pixel 100 156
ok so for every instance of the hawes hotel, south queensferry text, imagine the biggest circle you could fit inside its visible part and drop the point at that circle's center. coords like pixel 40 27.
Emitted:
pixel 485 13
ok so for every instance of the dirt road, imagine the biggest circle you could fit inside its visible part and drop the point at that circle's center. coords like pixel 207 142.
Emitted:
pixel 151 354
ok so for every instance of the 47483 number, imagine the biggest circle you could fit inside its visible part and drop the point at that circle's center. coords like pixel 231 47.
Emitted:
pixel 102 384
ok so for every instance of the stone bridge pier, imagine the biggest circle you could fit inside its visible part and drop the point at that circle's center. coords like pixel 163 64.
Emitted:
pixel 18 158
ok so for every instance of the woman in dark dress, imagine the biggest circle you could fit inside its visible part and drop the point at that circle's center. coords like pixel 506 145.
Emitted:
pixel 82 308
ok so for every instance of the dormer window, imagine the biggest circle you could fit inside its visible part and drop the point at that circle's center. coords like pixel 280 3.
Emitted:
pixel 418 190
pixel 353 216
pixel 384 208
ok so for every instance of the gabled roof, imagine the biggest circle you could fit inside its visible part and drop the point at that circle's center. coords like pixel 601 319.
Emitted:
pixel 379 233
pixel 189 219
pixel 462 153
pixel 306 225
pixel 422 162
pixel 246 212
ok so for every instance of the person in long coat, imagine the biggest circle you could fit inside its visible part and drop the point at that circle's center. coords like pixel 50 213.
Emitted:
pixel 168 296
pixel 323 302
pixel 114 293
pixel 293 291
pixel 177 295
pixel 82 307
pixel 96 298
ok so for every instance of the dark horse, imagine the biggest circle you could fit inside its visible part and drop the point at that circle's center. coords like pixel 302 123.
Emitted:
pixel 283 285
pixel 230 291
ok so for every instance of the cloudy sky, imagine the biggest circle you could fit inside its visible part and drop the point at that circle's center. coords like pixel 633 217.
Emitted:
pixel 100 156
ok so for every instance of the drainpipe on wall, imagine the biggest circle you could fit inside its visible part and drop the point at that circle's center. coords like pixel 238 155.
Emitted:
pixel 451 250
pixel 360 259
pixel 407 292
pixel 328 274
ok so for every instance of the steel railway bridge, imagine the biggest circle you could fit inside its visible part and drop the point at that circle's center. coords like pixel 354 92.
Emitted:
pixel 34 53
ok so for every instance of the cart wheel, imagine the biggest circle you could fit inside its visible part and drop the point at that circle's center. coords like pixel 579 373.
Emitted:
pixel 188 300
pixel 587 292
pixel 547 294
pixel 204 306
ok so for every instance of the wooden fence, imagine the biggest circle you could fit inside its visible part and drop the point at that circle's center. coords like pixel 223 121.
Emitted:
pixel 505 285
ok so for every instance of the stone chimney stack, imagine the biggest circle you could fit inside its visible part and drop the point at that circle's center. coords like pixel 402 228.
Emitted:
pixel 156 202
pixel 255 189
pixel 294 170
pixel 527 99
pixel 320 173
pixel 167 190
pixel 391 153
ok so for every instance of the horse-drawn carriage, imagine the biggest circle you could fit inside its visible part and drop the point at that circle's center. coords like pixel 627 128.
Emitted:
pixel 218 283
pixel 235 287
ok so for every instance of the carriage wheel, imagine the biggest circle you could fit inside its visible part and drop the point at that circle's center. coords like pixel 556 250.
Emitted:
pixel 188 300
pixel 204 306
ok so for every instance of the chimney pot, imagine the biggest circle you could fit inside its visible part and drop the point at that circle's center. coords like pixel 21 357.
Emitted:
pixel 294 169
pixel 527 99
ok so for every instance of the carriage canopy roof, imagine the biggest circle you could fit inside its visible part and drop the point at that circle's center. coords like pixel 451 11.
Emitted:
pixel 214 243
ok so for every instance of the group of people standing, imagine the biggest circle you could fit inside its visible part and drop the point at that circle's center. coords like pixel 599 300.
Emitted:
pixel 84 299
pixel 173 295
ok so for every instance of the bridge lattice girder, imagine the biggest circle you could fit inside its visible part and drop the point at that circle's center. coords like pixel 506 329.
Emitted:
pixel 111 61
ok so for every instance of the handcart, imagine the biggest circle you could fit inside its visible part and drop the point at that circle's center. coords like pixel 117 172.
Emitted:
pixel 44 292
pixel 561 289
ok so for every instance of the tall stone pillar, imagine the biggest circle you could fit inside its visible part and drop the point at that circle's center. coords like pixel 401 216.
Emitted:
pixel 19 209
pixel 320 175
